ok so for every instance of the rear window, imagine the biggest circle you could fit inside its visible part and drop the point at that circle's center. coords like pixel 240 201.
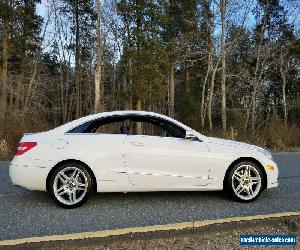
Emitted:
pixel 81 128
pixel 107 125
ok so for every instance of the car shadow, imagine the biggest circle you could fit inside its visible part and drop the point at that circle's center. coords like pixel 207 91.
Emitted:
pixel 162 196
pixel 138 198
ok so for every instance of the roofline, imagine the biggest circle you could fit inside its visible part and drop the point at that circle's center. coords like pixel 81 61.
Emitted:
pixel 70 125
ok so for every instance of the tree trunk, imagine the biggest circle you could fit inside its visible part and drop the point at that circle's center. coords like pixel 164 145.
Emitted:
pixel 77 63
pixel 124 89
pixel 3 70
pixel 139 104
pixel 62 99
pixel 187 78
pixel 139 125
pixel 171 91
pixel 18 88
pixel 248 108
pixel 283 91
pixel 114 104
pixel 31 83
pixel 97 99
pixel 98 72
pixel 284 102
pixel 255 77
pixel 128 88
pixel 203 90
pixel 223 54
pixel 128 105
pixel 253 106
pixel 211 93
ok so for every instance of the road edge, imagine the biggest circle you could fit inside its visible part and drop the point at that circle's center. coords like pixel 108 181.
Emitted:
pixel 144 229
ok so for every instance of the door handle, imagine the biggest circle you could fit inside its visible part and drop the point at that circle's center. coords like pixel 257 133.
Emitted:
pixel 138 144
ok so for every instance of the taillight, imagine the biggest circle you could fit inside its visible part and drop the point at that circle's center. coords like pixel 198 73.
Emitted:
pixel 23 147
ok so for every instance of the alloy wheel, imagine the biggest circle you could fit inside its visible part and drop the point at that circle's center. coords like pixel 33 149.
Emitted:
pixel 246 182
pixel 70 185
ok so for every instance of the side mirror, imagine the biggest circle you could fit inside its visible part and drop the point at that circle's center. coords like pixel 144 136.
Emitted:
pixel 190 135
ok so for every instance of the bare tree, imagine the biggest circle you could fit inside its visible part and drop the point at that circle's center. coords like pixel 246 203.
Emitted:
pixel 31 84
pixel 77 59
pixel 223 6
pixel 98 105
pixel 202 107
pixel 4 64
pixel 171 90
pixel 283 74
pixel 211 93
pixel 258 66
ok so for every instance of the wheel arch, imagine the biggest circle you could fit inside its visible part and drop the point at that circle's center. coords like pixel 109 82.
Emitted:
pixel 71 161
pixel 250 159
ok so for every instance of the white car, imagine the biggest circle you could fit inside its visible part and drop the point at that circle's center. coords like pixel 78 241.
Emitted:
pixel 137 151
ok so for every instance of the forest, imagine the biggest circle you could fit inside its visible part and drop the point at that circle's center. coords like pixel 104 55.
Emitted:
pixel 227 68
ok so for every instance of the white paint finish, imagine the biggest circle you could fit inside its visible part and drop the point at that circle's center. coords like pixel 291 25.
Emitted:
pixel 60 143
pixel 103 153
pixel 124 163
pixel 30 177
pixel 225 152
pixel 166 162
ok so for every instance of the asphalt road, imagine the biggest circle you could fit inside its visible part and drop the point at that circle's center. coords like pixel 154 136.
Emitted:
pixel 25 213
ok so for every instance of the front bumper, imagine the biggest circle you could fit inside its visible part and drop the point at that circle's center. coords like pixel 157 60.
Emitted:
pixel 272 185
pixel 272 175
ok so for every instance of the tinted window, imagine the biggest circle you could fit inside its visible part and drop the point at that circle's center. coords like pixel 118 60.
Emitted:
pixel 131 125
pixel 80 128
pixel 152 126
pixel 109 125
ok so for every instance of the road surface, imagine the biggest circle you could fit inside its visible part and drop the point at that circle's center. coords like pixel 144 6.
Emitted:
pixel 27 213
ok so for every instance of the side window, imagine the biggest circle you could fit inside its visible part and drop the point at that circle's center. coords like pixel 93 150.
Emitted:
pixel 110 125
pixel 151 126
pixel 131 125
pixel 80 128
pixel 174 130
pixel 108 128
pixel 146 128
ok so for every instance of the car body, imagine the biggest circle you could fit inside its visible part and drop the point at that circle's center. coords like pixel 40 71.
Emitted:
pixel 181 159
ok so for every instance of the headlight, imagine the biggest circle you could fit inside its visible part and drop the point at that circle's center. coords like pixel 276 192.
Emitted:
pixel 266 153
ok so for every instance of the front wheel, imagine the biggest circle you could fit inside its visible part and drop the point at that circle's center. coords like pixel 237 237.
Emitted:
pixel 245 182
pixel 70 185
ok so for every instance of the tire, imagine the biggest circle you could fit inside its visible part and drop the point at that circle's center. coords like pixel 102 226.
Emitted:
pixel 242 187
pixel 70 185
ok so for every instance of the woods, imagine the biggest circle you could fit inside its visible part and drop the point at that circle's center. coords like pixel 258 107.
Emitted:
pixel 223 67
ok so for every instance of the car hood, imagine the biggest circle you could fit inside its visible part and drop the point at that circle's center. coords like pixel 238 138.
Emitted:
pixel 230 143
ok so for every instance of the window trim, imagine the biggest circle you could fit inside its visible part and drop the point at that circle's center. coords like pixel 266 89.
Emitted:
pixel 162 120
pixel 88 123
pixel 126 116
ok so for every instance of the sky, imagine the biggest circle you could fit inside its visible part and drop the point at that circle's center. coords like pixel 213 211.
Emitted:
pixel 293 7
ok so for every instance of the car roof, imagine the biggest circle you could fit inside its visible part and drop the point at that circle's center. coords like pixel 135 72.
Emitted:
pixel 70 125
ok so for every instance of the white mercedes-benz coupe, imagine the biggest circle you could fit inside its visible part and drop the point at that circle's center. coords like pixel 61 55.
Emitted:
pixel 137 151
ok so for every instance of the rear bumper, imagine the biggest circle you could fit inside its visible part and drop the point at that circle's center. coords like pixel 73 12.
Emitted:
pixel 31 176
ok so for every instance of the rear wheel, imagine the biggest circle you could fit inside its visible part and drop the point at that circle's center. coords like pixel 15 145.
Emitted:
pixel 70 185
pixel 245 182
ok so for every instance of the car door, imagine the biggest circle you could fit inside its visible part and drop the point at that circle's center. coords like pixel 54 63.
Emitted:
pixel 165 161
pixel 100 145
